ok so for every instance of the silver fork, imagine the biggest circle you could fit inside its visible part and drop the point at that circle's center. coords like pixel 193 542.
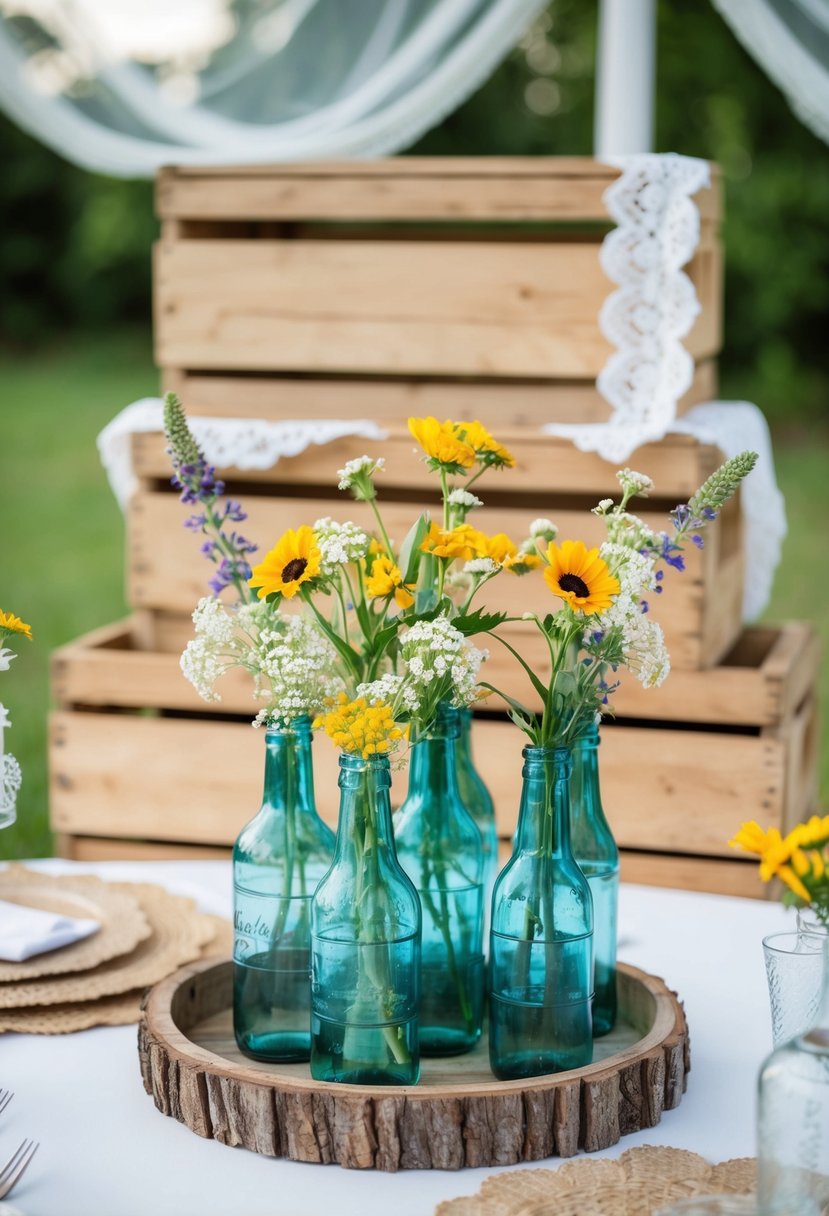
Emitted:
pixel 16 1167
pixel 6 1096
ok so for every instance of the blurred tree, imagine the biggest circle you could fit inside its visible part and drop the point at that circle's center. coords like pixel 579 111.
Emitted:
pixel 74 248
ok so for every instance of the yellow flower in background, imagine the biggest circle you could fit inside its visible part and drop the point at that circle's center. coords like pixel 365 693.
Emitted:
pixel 485 447
pixel 361 729
pixel 9 623
pixel 522 563
pixel 440 442
pixel 579 576
pixel 464 542
pixel 293 561
pixel 788 876
pixel 752 838
pixel 386 578
pixel 499 547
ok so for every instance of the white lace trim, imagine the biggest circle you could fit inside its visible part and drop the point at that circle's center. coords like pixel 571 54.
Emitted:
pixel 241 443
pixel 737 426
pixel 654 307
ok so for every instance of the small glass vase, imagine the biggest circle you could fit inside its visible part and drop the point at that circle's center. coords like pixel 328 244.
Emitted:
pixel 598 858
pixel 793 1118
pixel 478 801
pixel 541 941
pixel 441 849
pixel 794 971
pixel 365 933
pixel 278 859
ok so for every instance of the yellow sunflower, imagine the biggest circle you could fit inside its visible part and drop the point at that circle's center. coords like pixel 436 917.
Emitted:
pixel 441 443
pixel 293 561
pixel 464 542
pixel 9 623
pixel 484 445
pixel 579 576
pixel 386 578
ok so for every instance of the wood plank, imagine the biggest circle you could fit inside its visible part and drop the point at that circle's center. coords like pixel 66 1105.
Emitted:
pixel 103 848
pixel 427 307
pixel 693 874
pixel 495 403
pixel 173 576
pixel 200 781
pixel 678 464
pixel 110 668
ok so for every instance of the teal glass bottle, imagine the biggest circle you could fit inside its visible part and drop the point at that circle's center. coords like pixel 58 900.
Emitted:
pixel 441 849
pixel 278 859
pixel 598 858
pixel 541 938
pixel 365 934
pixel 478 801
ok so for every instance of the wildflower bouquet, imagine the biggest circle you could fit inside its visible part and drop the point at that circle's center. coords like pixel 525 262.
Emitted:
pixel 11 778
pixel 799 859
pixel 603 623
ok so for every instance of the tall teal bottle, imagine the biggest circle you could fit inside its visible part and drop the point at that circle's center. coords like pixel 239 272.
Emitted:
pixel 365 933
pixel 541 938
pixel 595 851
pixel 278 859
pixel 441 850
pixel 478 801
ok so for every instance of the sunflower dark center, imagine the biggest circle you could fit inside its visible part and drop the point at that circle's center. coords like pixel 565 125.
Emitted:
pixel 294 569
pixel 572 582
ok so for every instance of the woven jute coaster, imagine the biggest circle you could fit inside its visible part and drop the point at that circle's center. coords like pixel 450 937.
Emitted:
pixel 123 923
pixel 177 934
pixel 637 1183
pixel 118 1010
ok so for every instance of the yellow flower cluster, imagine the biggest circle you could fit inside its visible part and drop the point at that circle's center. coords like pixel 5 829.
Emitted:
pixel 386 577
pixel 9 623
pixel 459 445
pixel 361 729
pixel 797 859
pixel 467 543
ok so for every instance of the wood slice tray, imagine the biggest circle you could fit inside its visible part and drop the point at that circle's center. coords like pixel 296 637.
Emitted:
pixel 458 1115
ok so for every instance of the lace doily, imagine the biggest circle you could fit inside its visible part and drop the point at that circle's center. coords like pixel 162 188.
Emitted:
pixel 655 305
pixel 11 778
pixel 241 443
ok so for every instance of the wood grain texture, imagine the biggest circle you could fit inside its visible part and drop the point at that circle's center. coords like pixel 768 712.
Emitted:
pixel 458 1116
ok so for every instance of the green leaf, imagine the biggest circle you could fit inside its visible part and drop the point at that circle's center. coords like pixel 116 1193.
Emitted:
pixel 479 621
pixel 410 554
pixel 539 686
pixel 514 706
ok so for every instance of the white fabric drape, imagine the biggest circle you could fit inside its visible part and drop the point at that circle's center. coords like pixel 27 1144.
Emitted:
pixel 298 80
pixel 790 41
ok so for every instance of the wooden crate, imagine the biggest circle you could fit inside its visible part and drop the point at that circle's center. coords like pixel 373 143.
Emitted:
pixel 700 609
pixel 465 288
pixel 139 765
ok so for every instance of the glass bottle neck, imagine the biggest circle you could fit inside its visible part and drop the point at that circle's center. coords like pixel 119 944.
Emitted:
pixel 365 808
pixel 434 755
pixel 463 744
pixel 289 770
pixel 544 813
pixel 585 793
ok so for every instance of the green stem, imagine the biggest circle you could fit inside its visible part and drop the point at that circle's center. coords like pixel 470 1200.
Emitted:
pixel 243 591
pixel 382 527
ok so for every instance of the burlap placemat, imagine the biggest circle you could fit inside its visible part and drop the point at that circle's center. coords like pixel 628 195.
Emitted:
pixel 177 934
pixel 118 1010
pixel 123 923
pixel 639 1182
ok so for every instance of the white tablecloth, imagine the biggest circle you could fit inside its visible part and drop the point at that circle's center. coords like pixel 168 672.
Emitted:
pixel 106 1150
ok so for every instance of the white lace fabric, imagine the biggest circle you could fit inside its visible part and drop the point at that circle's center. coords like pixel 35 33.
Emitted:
pixel 240 443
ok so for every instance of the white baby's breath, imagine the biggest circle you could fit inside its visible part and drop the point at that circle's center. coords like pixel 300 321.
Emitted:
pixel 339 543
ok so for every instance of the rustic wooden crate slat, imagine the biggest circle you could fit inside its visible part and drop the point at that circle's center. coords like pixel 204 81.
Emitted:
pixel 698 628
pixel 764 680
pixel 497 403
pixel 198 781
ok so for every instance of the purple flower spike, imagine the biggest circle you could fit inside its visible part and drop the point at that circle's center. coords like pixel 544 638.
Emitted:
pixel 644 606
pixel 698 541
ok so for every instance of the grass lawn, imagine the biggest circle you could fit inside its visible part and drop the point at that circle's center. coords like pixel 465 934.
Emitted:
pixel 63 551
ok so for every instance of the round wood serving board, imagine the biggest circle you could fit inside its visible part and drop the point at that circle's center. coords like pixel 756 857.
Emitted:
pixel 459 1115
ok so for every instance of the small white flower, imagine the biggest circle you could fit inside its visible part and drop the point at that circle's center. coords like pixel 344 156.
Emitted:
pixel 360 468
pixel 481 565
pixel 438 650
pixel 635 483
pixel 5 720
pixel 463 498
pixel 543 529
pixel 603 506
pixel 6 657
pixel 339 544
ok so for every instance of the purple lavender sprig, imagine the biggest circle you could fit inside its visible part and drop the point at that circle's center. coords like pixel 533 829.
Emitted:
pixel 199 485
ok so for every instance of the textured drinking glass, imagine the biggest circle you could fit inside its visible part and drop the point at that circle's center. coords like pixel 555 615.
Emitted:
pixel 441 850
pixel 794 970
pixel 478 801
pixel 365 934
pixel 278 859
pixel 793 1118
pixel 541 940
pixel 598 858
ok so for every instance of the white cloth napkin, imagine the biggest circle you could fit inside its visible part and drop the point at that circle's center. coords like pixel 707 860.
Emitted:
pixel 25 932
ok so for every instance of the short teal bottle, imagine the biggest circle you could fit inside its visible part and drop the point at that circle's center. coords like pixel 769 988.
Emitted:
pixel 278 859
pixel 541 940
pixel 595 851
pixel 441 849
pixel 365 933
pixel 478 801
